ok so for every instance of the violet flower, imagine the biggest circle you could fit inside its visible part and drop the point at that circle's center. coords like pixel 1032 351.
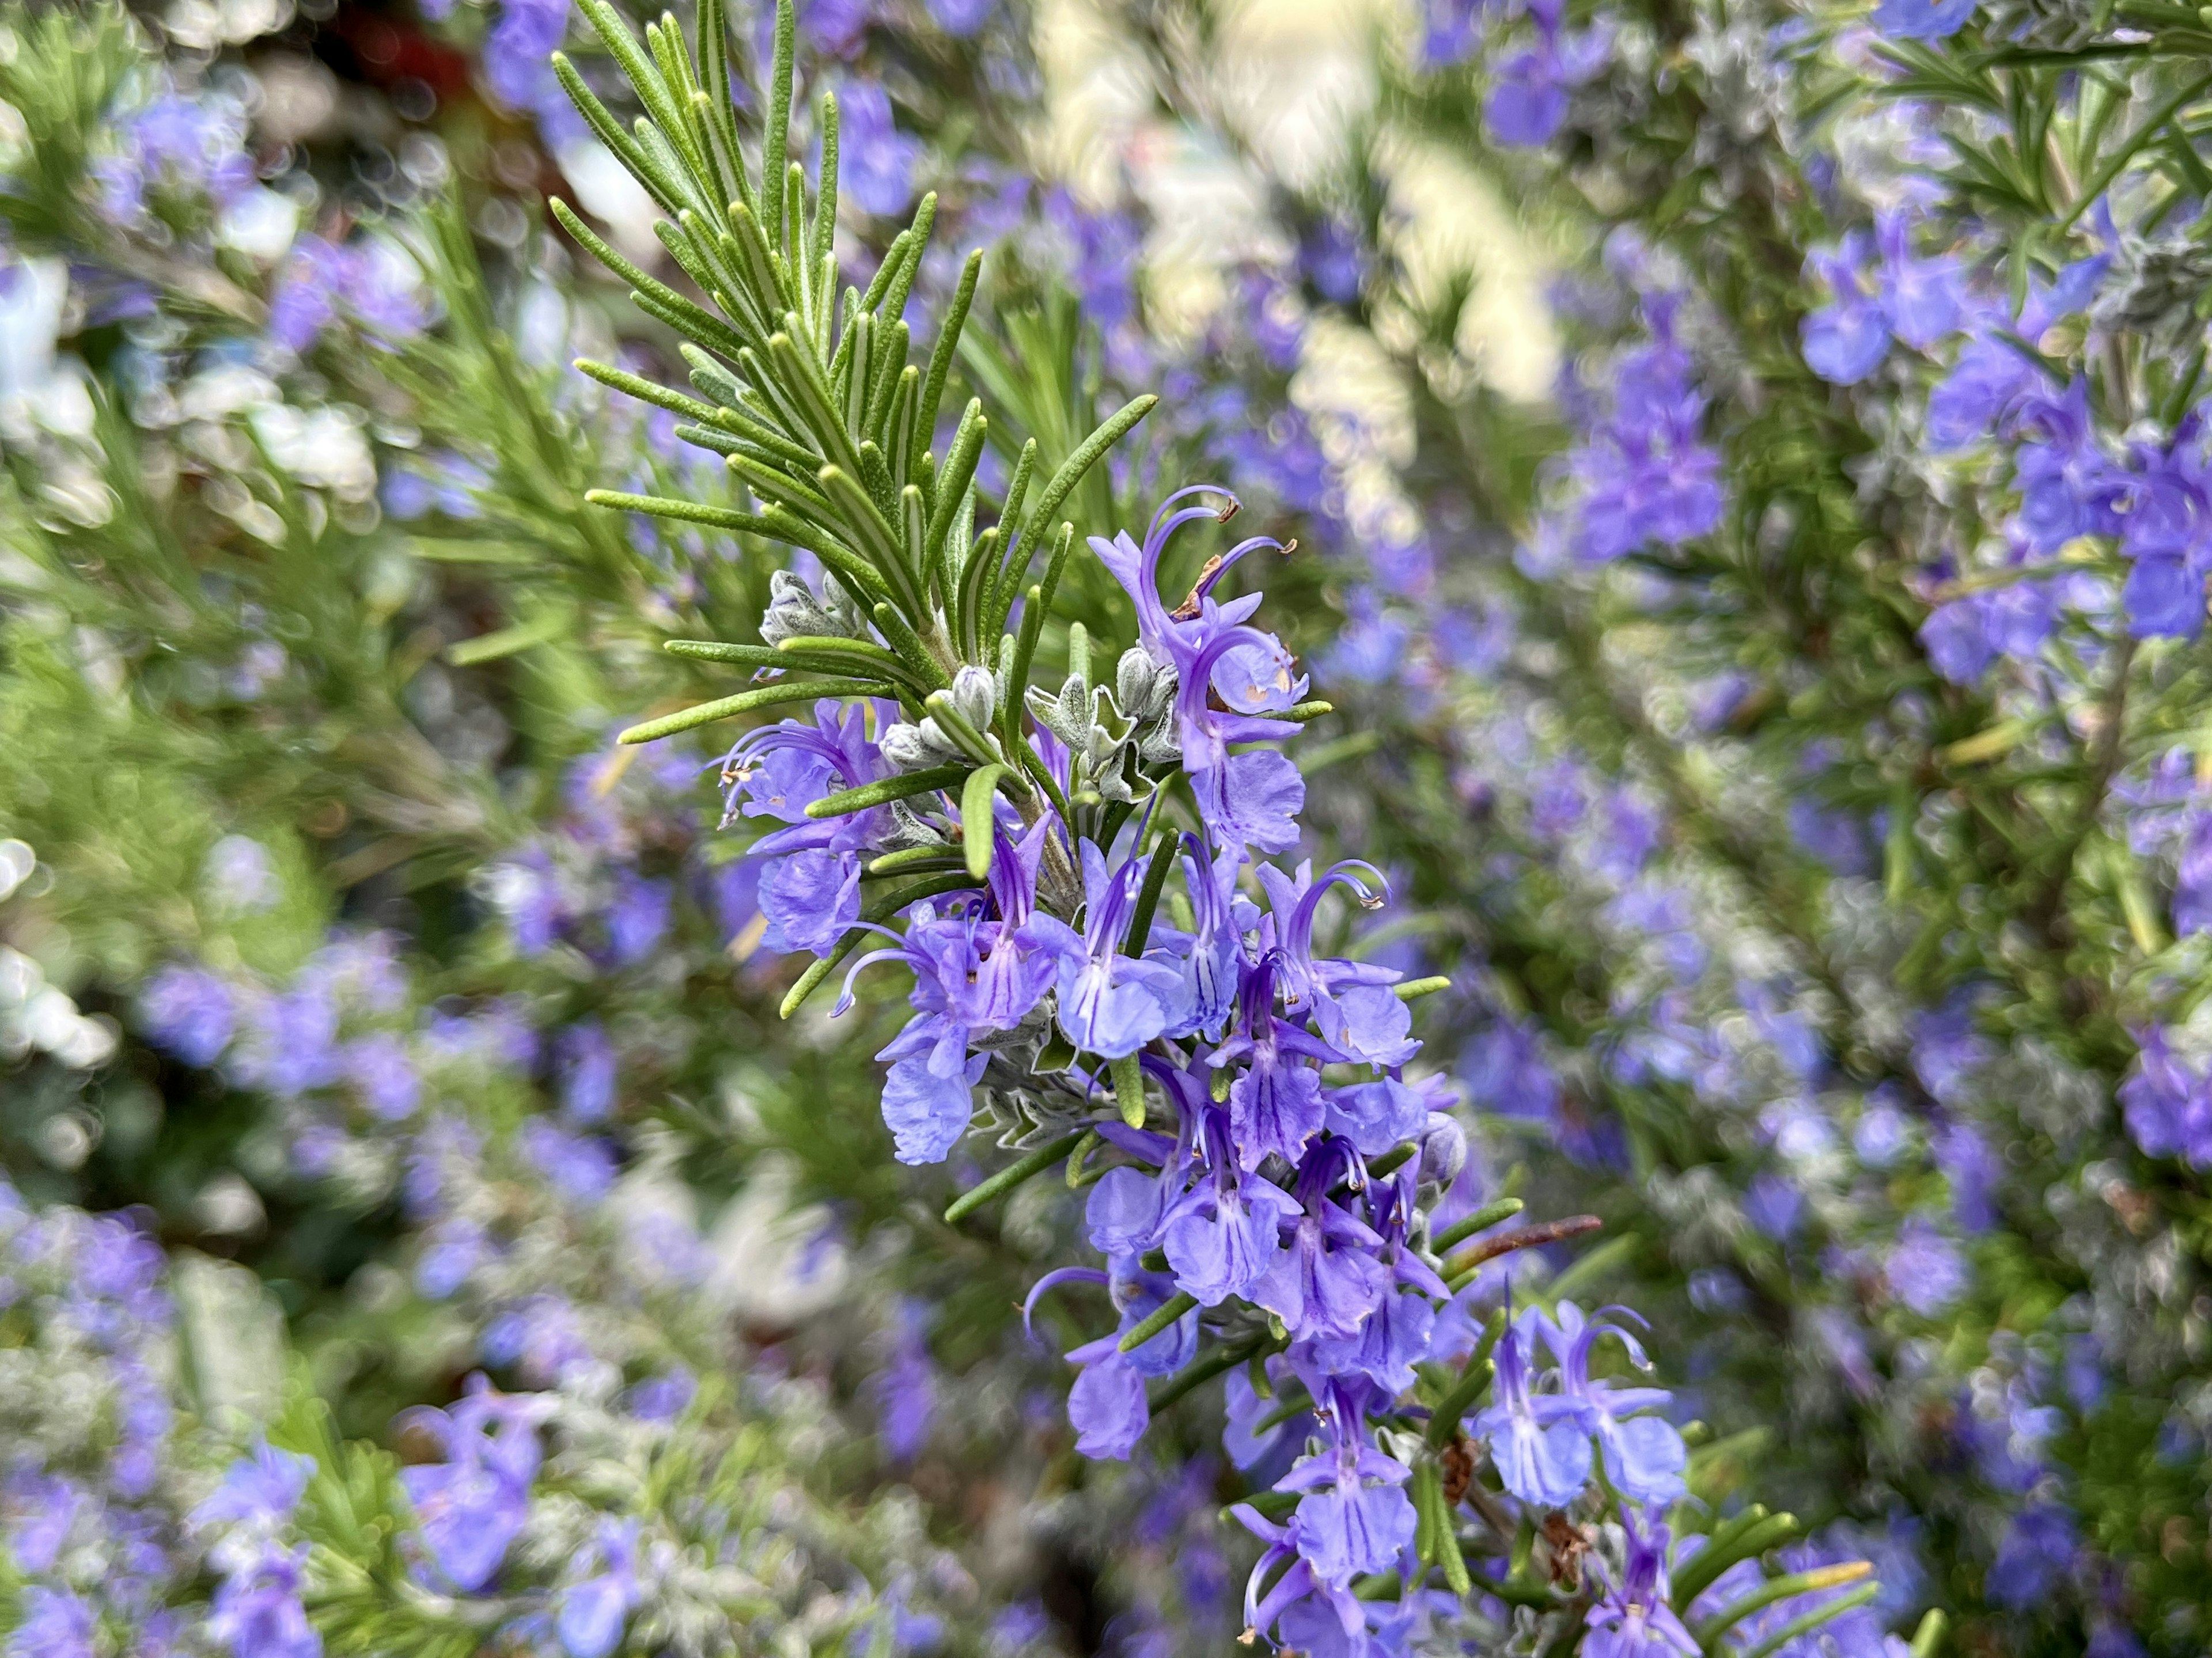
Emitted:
pixel 1225 1235
pixel 470 1507
pixel 1354 1519
pixel 1644 1456
pixel 1637 1618
pixel 1275 1103
pixel 1540 1441
pixel 1328 1281
pixel 810 893
pixel 1110 1004
pixel 1360 1016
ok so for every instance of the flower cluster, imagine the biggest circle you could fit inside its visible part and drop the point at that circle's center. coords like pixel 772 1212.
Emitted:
pixel 87 1384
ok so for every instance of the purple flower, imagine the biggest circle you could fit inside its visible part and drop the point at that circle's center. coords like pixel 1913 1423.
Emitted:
pixel 471 1506
pixel 1275 1104
pixel 905 1390
pixel 1947 1050
pixel 585 1062
pixel 1505 1071
pixel 177 146
pixel 1644 1456
pixel 291 1045
pixel 1922 19
pixel 378 1065
pixel 1924 1270
pixel 1110 1003
pixel 1107 1405
pixel 875 159
pixel 1973 1171
pixel 1528 101
pixel 581 1167
pixel 324 279
pixel 1637 1619
pixel 1376 1116
pixel 1360 1016
pixel 1225 1235
pixel 812 899
pixel 262 1488
pixel 972 976
pixel 1249 799
pixel 1403 1328
pixel 1354 1519
pixel 451 1252
pixel 190 1012
pixel 1774 1206
pixel 1540 1441
pixel 1956 637
pixel 55 1623
pixel 925 1109
pixel 2166 1104
pixel 256 1611
pixel 810 893
pixel 2036 1557
pixel 637 917
pixel 1215 962
pixel 1645 477
pixel 1301 1599
pixel 838 28
pixel 1450 30
pixel 1915 299
pixel 1328 1281
pixel 592 1612
pixel 1123 1214
pixel 1986 384
pixel 961 19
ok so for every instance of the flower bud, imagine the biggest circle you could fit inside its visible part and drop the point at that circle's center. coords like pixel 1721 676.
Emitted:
pixel 916 748
pixel 795 613
pixel 976 696
pixel 1444 1149
pixel 1141 686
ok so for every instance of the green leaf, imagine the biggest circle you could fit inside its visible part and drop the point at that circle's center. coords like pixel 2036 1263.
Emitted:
pixel 885 790
pixel 1032 1164
pixel 688 512
pixel 714 650
pixel 509 641
pixel 1473 1379
pixel 1806 1623
pixel 1200 1371
pixel 976 816
pixel 1747 1536
pixel 2152 127
pixel 1779 1588
pixel 767 696
pixel 1483 1218
pixel 1129 1091
pixel 1163 1317
pixel 1111 431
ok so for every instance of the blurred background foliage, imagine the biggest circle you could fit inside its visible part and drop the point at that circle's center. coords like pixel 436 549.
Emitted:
pixel 428 1033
